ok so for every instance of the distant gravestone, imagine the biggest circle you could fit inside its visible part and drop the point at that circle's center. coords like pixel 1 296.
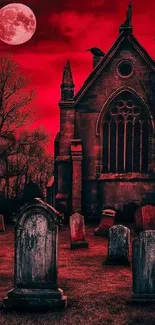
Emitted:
pixel 143 267
pixel 118 246
pixel 145 217
pixel 2 225
pixel 148 215
pixel 106 222
pixel 35 271
pixel 77 231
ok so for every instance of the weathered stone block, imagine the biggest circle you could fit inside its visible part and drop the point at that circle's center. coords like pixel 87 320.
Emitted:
pixel 77 231
pixel 118 246
pixel 143 267
pixel 35 270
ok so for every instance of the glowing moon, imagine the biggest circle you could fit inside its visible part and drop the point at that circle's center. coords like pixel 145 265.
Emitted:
pixel 17 23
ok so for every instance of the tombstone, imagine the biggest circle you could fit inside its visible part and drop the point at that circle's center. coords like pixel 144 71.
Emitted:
pixel 143 267
pixel 2 225
pixel 35 270
pixel 148 216
pixel 106 222
pixel 118 246
pixel 145 218
pixel 77 231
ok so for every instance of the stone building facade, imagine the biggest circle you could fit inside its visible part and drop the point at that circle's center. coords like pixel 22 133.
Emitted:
pixel 105 149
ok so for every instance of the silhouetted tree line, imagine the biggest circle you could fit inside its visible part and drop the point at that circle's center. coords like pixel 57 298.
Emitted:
pixel 24 164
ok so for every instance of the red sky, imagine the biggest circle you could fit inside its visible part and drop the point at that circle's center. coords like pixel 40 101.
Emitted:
pixel 65 30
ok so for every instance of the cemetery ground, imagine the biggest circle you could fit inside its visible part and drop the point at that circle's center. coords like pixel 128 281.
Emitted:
pixel 96 294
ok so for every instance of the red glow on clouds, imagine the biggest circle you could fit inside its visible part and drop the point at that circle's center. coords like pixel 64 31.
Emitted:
pixel 65 30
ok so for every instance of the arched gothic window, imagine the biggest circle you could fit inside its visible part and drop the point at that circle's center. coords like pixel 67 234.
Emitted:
pixel 126 130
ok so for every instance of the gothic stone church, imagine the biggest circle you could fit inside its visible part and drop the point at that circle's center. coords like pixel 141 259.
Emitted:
pixel 105 149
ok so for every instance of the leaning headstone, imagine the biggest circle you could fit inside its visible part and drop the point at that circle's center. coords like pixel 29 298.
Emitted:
pixel 118 246
pixel 77 231
pixel 2 225
pixel 106 222
pixel 35 270
pixel 143 267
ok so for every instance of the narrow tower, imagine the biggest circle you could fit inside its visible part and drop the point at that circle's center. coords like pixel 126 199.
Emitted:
pixel 67 86
pixel 63 163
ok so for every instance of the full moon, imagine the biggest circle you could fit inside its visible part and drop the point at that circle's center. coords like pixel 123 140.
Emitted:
pixel 17 23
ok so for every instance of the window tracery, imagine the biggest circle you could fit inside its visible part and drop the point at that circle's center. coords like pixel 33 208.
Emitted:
pixel 126 136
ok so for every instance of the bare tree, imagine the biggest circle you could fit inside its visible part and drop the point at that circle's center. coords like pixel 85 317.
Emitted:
pixel 15 98
pixel 15 111
pixel 27 159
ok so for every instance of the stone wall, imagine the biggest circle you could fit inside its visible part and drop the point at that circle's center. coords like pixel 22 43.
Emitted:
pixel 118 193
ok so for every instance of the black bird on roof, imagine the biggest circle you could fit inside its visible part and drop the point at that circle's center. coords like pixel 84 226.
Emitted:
pixel 96 51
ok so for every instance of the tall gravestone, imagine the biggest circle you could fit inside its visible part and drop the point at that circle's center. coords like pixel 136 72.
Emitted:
pixel 77 231
pixel 118 246
pixel 35 271
pixel 143 267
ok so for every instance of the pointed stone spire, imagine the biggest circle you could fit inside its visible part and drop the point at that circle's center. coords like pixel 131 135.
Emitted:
pixel 67 86
pixel 127 26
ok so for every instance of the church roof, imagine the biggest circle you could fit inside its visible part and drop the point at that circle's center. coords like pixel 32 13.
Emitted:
pixel 108 56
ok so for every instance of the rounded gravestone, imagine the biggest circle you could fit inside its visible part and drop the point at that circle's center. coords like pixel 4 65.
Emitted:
pixel 35 270
pixel 118 246
pixel 77 231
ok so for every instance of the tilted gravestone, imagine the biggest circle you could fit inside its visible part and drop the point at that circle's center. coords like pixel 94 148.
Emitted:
pixel 2 225
pixel 118 246
pixel 35 270
pixel 106 222
pixel 143 267
pixel 77 231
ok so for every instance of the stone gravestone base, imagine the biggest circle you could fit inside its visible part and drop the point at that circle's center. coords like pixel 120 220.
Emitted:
pixel 35 298
pixel 118 246
pixel 101 232
pixel 77 232
pixel 142 298
pixel 116 261
pixel 79 244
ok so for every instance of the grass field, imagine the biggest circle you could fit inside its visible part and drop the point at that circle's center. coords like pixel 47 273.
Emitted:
pixel 96 294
